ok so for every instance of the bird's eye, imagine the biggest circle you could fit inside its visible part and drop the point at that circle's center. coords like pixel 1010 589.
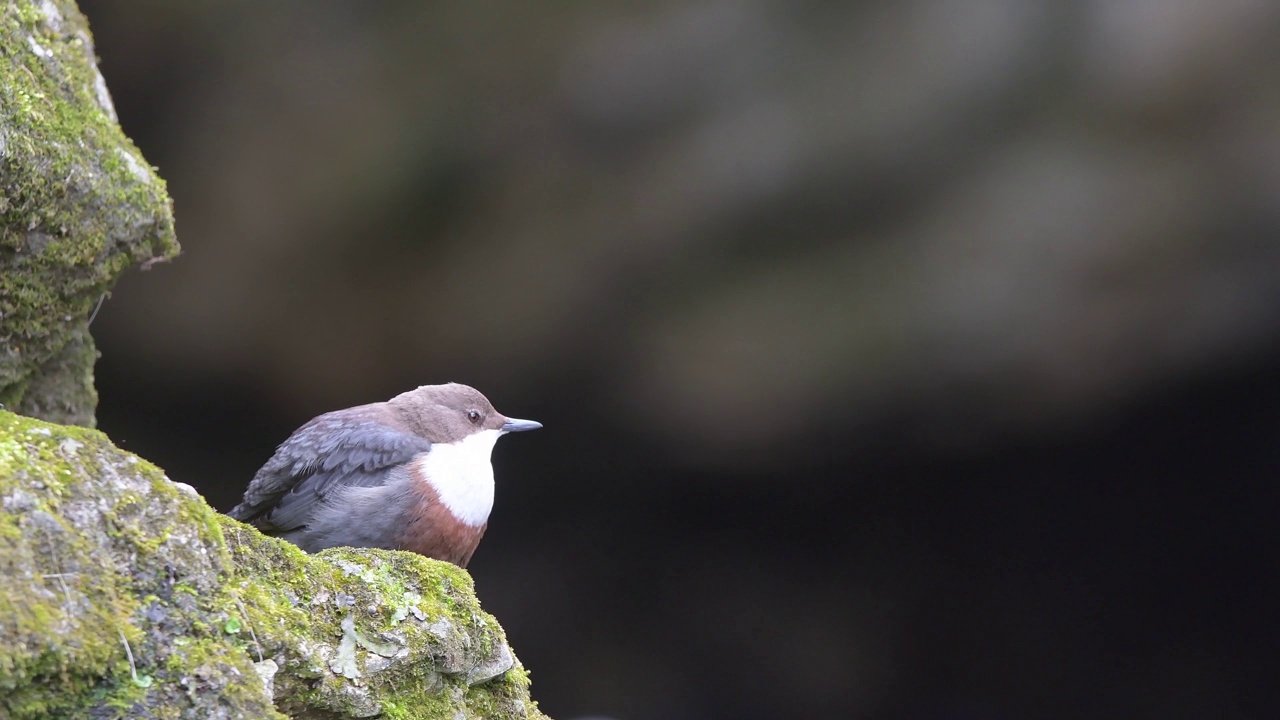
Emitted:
pixel 473 416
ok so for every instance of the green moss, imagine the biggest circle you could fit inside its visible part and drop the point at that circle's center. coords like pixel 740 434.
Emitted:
pixel 86 626
pixel 88 544
pixel 392 598
pixel 78 206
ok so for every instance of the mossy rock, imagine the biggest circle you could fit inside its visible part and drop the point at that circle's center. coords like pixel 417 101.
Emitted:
pixel 126 596
pixel 78 206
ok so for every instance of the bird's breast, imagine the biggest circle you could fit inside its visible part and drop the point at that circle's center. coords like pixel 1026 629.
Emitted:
pixel 460 474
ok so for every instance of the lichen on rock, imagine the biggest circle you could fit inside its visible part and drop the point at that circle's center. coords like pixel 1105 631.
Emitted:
pixel 126 596
pixel 78 206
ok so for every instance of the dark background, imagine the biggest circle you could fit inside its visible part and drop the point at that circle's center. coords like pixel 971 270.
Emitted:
pixel 897 359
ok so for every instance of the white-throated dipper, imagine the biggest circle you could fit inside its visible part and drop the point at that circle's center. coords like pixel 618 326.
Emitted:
pixel 412 473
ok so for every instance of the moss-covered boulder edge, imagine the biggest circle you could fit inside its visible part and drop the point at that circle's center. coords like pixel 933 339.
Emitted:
pixel 125 595
pixel 78 206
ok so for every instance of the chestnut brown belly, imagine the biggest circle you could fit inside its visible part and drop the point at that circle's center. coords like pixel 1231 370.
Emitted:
pixel 431 530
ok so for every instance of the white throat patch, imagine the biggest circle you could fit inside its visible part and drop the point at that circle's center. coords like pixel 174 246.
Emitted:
pixel 462 475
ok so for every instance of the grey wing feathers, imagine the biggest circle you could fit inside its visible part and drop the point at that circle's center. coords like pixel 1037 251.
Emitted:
pixel 329 452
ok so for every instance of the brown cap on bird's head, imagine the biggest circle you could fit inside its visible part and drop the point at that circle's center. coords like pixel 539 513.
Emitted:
pixel 450 412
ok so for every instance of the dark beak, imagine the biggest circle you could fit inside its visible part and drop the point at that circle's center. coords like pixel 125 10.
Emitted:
pixel 512 425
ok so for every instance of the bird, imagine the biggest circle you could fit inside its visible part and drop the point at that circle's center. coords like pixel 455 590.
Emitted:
pixel 411 473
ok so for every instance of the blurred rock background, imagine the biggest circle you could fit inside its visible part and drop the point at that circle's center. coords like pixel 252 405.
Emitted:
pixel 898 359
